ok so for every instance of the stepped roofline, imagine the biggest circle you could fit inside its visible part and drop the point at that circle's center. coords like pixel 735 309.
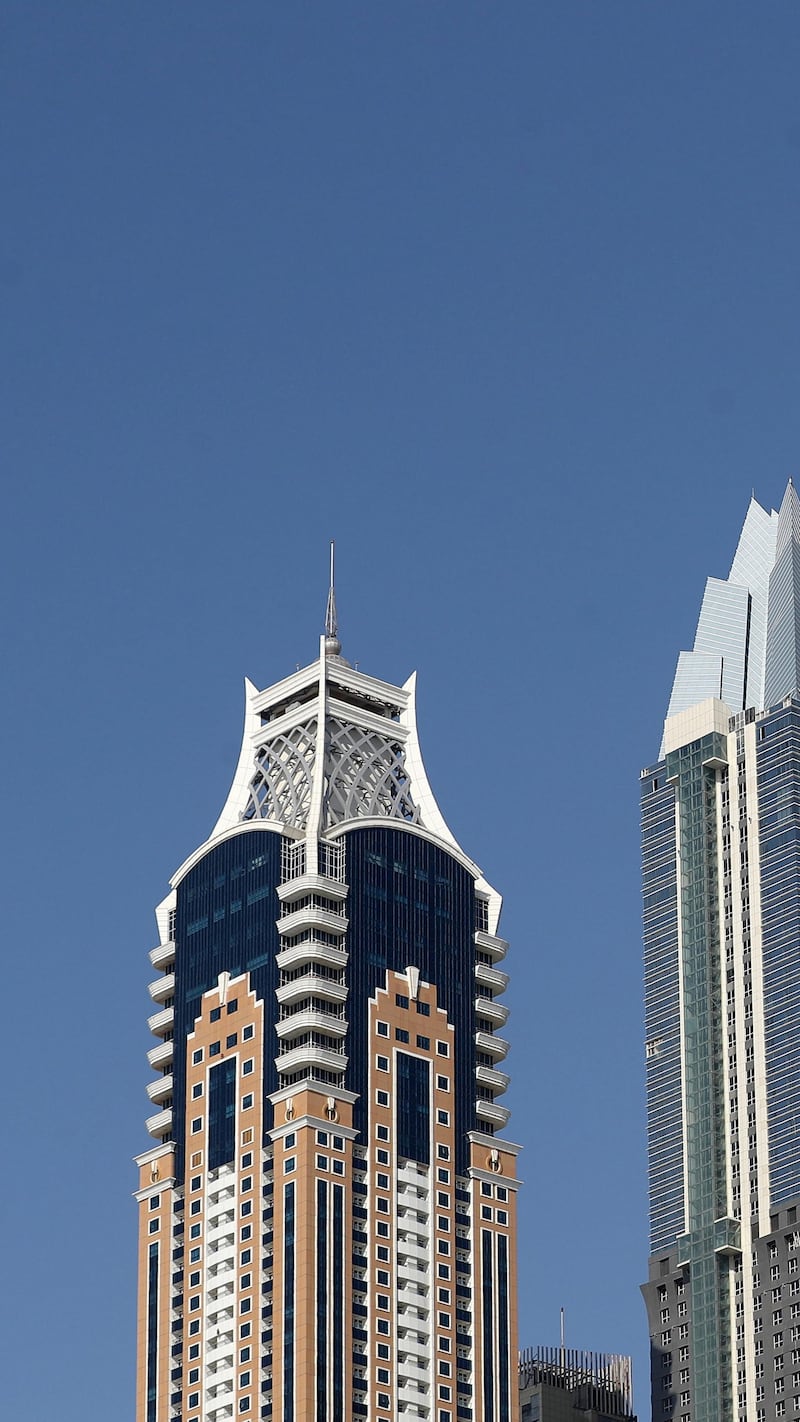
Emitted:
pixel 746 650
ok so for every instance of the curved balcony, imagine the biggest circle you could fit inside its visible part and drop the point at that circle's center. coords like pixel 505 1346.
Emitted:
pixel 306 1055
pixel 306 884
pixel 163 954
pixel 495 1080
pixel 496 1047
pixel 311 984
pixel 162 1054
pixel 162 988
pixel 490 944
pixel 488 1111
pixel 311 952
pixel 160 1088
pixel 492 1011
pixel 311 1021
pixel 299 919
pixel 491 977
pixel 160 1125
pixel 162 1022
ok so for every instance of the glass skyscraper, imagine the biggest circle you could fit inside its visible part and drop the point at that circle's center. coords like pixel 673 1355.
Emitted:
pixel 327 1212
pixel 721 876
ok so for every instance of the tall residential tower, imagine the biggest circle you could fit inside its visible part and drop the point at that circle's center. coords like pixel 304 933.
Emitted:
pixel 721 855
pixel 327 1216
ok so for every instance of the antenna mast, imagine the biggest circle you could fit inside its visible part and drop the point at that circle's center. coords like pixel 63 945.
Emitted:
pixel 332 644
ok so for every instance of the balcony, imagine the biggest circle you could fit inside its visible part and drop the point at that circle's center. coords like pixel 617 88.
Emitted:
pixel 489 944
pixel 311 952
pixel 416 1254
pixel 311 984
pixel 495 1080
pixel 162 1022
pixel 492 1011
pixel 311 917
pixel 163 954
pixel 334 1025
pixel 491 977
pixel 160 1088
pixel 411 1370
pixel 488 1111
pixel 496 1047
pixel 162 988
pixel 162 1054
pixel 308 1056
pixel 306 884
pixel 413 1398
pixel 160 1125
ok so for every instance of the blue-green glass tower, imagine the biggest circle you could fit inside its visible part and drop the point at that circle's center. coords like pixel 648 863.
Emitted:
pixel 721 880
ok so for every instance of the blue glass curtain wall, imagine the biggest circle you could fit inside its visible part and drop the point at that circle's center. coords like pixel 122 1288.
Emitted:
pixel 487 1299
pixel 778 766
pixel 411 903
pixel 222 1114
pixel 227 906
pixel 662 1009
pixel 152 1333
pixel 288 1302
pixel 413 1111
pixel 322 1301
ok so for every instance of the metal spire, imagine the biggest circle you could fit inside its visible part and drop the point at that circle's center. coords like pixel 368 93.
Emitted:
pixel 333 646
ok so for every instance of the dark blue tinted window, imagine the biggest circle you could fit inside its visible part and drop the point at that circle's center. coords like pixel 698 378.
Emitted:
pixel 221 1114
pixel 413 1108
pixel 288 1303
pixel 338 1313
pixel 488 1350
pixel 152 1333
pixel 322 1300
pixel 398 881
pixel 225 922
pixel 502 1322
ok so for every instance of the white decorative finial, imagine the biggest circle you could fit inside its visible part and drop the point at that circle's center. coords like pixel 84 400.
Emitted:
pixel 333 646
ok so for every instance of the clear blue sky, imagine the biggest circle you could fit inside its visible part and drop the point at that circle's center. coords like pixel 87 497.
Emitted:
pixel 505 298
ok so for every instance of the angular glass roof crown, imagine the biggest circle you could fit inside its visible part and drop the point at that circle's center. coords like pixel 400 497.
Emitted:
pixel 747 645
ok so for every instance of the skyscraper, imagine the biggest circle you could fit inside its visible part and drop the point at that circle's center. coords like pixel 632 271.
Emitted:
pixel 327 1216
pixel 721 856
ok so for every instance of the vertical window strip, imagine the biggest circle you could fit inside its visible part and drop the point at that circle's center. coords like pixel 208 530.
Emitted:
pixel 502 1326
pixel 222 1114
pixel 413 1108
pixel 338 1298
pixel 288 1301
pixel 152 1333
pixel 487 1290
pixel 322 1301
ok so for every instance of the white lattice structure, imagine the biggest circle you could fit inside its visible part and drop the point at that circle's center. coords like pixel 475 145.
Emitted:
pixel 329 745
